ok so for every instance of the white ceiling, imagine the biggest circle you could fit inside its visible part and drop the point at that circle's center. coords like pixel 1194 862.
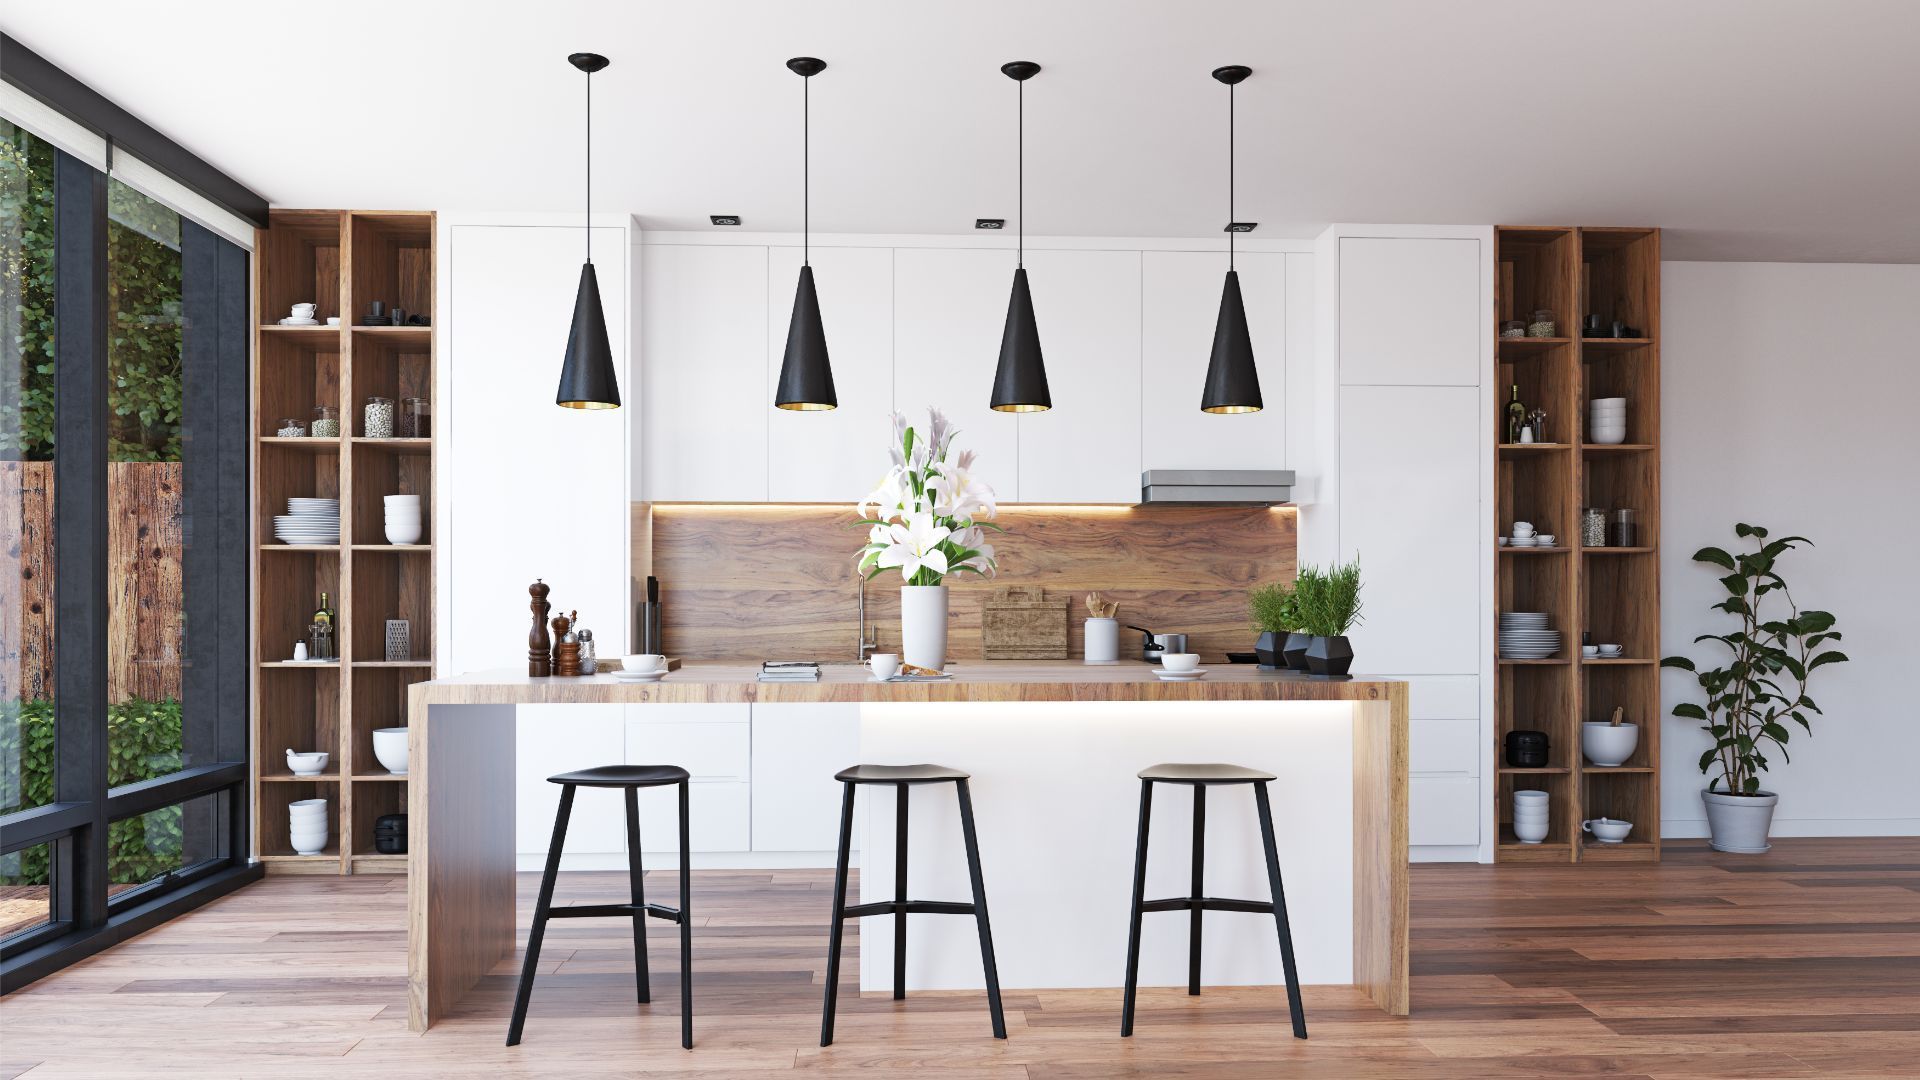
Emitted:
pixel 1750 129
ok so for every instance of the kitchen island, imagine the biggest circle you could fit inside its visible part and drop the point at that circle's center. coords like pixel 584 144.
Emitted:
pixel 1052 746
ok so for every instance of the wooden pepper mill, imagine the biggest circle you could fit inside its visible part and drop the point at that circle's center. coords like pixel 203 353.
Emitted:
pixel 539 646
pixel 566 649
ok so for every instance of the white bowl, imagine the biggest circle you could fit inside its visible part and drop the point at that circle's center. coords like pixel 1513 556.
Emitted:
pixel 1607 830
pixel 1530 810
pixel 1608 438
pixel 1180 661
pixel 403 532
pixel 390 747
pixel 392 499
pixel 1530 832
pixel 1608 745
pixel 308 764
pixel 1529 796
pixel 307 804
pixel 1602 402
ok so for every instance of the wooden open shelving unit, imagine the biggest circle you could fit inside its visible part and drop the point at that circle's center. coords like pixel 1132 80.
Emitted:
pixel 338 260
pixel 1614 593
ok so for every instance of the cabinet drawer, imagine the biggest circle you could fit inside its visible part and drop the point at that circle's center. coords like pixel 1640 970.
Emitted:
pixel 719 817
pixel 707 751
pixel 1443 810
pixel 1444 746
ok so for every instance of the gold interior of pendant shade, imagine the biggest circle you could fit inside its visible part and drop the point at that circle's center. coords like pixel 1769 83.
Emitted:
pixel 1021 408
pixel 1232 409
pixel 594 405
pixel 804 406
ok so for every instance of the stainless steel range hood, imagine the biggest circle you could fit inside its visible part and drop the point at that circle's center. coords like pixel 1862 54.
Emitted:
pixel 1217 487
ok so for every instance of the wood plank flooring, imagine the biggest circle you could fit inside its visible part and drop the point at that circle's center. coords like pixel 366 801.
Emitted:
pixel 1801 963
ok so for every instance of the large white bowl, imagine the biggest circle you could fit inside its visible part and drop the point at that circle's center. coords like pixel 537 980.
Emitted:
pixel 1603 401
pixel 403 532
pixel 1607 745
pixel 1530 832
pixel 1608 438
pixel 1607 830
pixel 390 747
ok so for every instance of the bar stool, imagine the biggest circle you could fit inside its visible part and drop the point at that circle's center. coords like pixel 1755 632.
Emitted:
pixel 1201 777
pixel 902 777
pixel 631 778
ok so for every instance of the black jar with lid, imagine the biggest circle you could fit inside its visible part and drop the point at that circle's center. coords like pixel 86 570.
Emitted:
pixel 390 834
pixel 1526 749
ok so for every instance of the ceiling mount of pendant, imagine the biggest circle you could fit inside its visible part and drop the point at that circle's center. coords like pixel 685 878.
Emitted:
pixel 1232 74
pixel 1020 70
pixel 588 62
pixel 806 66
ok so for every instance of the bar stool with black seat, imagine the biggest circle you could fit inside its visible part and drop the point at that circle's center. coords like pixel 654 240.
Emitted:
pixel 631 778
pixel 1200 778
pixel 901 778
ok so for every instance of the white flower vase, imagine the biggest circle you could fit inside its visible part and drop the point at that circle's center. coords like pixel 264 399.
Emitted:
pixel 923 626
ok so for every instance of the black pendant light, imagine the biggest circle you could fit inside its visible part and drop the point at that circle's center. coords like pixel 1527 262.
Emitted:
pixel 587 379
pixel 806 375
pixel 1233 384
pixel 1020 382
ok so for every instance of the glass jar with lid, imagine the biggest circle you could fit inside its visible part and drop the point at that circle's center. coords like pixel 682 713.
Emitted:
pixel 326 422
pixel 416 418
pixel 1542 324
pixel 377 420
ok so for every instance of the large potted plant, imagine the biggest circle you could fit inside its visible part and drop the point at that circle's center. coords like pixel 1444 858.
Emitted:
pixel 1276 615
pixel 1328 602
pixel 928 517
pixel 1772 651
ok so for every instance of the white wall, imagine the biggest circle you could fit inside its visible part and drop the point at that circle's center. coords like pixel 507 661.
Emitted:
pixel 1788 394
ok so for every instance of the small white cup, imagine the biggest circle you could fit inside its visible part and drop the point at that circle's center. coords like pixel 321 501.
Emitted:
pixel 1589 650
pixel 1523 529
pixel 885 665
pixel 303 311
pixel 1546 539
pixel 1180 661
pixel 1610 650
pixel 643 662
pixel 333 320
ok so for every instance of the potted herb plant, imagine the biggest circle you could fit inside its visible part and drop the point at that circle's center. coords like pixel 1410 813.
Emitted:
pixel 1328 602
pixel 1276 615
pixel 1772 649
pixel 928 518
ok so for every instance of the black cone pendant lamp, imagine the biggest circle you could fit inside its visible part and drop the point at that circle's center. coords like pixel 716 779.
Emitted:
pixel 1233 384
pixel 1020 382
pixel 587 379
pixel 806 376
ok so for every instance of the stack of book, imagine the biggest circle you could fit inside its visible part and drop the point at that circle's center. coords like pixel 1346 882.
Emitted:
pixel 789 671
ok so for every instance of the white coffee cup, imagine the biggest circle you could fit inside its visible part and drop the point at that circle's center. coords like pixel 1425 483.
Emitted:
pixel 1610 650
pixel 1180 661
pixel 643 662
pixel 885 665
pixel 1523 528
pixel 303 311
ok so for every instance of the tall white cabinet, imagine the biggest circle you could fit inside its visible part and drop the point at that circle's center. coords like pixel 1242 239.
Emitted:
pixel 1402 468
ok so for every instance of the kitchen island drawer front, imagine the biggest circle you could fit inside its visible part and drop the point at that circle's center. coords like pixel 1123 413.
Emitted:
pixel 720 820
pixel 1449 746
pixel 709 751
pixel 1443 810
pixel 796 750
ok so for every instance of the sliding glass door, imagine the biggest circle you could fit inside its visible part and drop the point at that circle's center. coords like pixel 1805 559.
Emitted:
pixel 123 396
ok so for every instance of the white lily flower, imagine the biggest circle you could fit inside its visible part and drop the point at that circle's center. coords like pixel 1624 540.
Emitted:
pixel 959 493
pixel 914 545
pixel 892 497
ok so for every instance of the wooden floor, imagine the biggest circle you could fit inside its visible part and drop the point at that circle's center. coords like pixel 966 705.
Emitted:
pixel 1804 962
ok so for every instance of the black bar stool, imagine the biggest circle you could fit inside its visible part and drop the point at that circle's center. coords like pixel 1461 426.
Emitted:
pixel 901 777
pixel 632 778
pixel 1201 777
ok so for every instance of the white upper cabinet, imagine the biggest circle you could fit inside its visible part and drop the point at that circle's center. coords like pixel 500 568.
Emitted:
pixel 833 456
pixel 1086 449
pixel 1181 295
pixel 948 309
pixel 1410 460
pixel 1411 311
pixel 704 351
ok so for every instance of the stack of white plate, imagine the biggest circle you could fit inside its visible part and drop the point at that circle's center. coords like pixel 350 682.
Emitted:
pixel 309 521
pixel 307 826
pixel 403 519
pixel 1526 635
pixel 1607 420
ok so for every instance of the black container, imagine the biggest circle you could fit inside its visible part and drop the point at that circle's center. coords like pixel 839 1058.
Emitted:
pixel 1330 657
pixel 390 834
pixel 1526 749
pixel 1294 651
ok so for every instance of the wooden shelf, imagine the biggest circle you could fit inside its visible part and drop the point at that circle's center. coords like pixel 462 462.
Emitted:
pixel 375 778
pixel 420 335
pixel 1531 345
pixel 1613 661
pixel 1505 549
pixel 1545 770
pixel 393 663
pixel 305 335
pixel 1507 449
pixel 1602 770
pixel 1614 342
pixel 1617 551
pixel 289 778
pixel 315 665
pixel 330 854
pixel 305 443
pixel 1549 662
pixel 1615 448
pixel 335 548
pixel 397 446
pixel 401 548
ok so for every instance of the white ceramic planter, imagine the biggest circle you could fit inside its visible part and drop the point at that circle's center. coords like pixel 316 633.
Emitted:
pixel 923 625
pixel 1739 823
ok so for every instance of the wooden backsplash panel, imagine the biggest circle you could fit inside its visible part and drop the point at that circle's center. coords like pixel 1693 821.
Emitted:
pixel 745 582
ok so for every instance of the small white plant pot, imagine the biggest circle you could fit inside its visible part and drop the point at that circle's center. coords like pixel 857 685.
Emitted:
pixel 1740 823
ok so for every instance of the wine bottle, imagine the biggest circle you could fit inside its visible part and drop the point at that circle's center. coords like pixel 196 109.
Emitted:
pixel 1516 416
pixel 324 613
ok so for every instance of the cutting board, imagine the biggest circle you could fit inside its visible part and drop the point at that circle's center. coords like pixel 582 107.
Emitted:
pixel 1018 622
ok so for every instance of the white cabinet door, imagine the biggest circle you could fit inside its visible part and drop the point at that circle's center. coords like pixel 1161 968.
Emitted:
pixel 709 751
pixel 1410 312
pixel 1410 511
pixel 559 738
pixel 704 355
pixel 719 816
pixel 833 456
pixel 1444 746
pixel 503 365
pixel 1180 294
pixel 796 750
pixel 1443 810
pixel 1086 449
pixel 949 307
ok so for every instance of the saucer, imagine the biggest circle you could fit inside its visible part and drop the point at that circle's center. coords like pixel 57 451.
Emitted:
pixel 639 676
pixel 1179 676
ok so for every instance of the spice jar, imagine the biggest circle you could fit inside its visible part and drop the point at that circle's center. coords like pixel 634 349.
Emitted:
pixel 416 418
pixel 1593 527
pixel 326 422
pixel 291 427
pixel 1542 324
pixel 377 420
pixel 1513 328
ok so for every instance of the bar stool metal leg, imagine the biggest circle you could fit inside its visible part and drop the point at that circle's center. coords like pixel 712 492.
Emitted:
pixel 686 925
pixel 1280 912
pixel 1139 898
pixel 544 904
pixel 638 891
pixel 1199 887
pixel 980 911
pixel 900 892
pixel 839 916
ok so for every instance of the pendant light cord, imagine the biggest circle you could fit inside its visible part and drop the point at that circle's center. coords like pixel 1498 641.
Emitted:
pixel 806 171
pixel 1020 258
pixel 1230 135
pixel 589 207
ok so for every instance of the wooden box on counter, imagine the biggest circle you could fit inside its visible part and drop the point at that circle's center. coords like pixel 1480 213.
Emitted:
pixel 1019 623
